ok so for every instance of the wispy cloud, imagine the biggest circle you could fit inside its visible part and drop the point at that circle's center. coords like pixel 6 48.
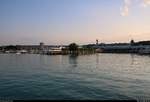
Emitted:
pixel 125 9
pixel 146 3
pixel 127 4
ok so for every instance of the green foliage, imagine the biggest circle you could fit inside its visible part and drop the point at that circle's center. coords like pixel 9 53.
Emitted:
pixel 73 47
pixel 10 47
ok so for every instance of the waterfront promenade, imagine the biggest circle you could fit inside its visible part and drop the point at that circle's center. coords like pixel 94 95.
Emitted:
pixel 142 47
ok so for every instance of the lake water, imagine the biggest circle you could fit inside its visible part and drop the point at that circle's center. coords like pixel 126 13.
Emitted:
pixel 90 77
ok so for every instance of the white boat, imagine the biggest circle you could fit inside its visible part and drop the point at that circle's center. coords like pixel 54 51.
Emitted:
pixel 18 53
pixel 7 51
pixel 23 51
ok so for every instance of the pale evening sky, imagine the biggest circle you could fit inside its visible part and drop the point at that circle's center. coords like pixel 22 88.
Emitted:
pixel 80 21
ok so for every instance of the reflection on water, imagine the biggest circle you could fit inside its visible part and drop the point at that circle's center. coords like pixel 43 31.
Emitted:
pixel 73 60
pixel 97 60
pixel 97 76
pixel 133 59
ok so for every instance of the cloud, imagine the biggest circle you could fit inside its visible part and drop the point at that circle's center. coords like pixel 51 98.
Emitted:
pixel 125 9
pixel 127 4
pixel 146 3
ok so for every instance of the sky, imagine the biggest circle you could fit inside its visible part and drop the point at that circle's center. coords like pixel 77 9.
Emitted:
pixel 80 21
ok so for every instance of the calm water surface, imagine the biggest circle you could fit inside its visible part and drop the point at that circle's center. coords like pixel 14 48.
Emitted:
pixel 98 76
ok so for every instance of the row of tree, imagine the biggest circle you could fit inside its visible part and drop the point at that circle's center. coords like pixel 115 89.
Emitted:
pixel 74 49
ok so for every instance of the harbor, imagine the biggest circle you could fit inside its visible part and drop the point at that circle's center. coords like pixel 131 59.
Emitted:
pixel 141 47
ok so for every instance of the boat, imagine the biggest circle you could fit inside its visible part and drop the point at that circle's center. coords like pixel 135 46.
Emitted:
pixel 23 51
pixel 18 53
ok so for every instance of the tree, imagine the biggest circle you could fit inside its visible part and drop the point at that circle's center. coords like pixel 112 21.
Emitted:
pixel 73 47
pixel 10 47
pixel 132 42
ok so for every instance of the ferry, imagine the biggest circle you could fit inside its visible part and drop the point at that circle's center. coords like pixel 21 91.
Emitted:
pixel 21 52
pixel 18 53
